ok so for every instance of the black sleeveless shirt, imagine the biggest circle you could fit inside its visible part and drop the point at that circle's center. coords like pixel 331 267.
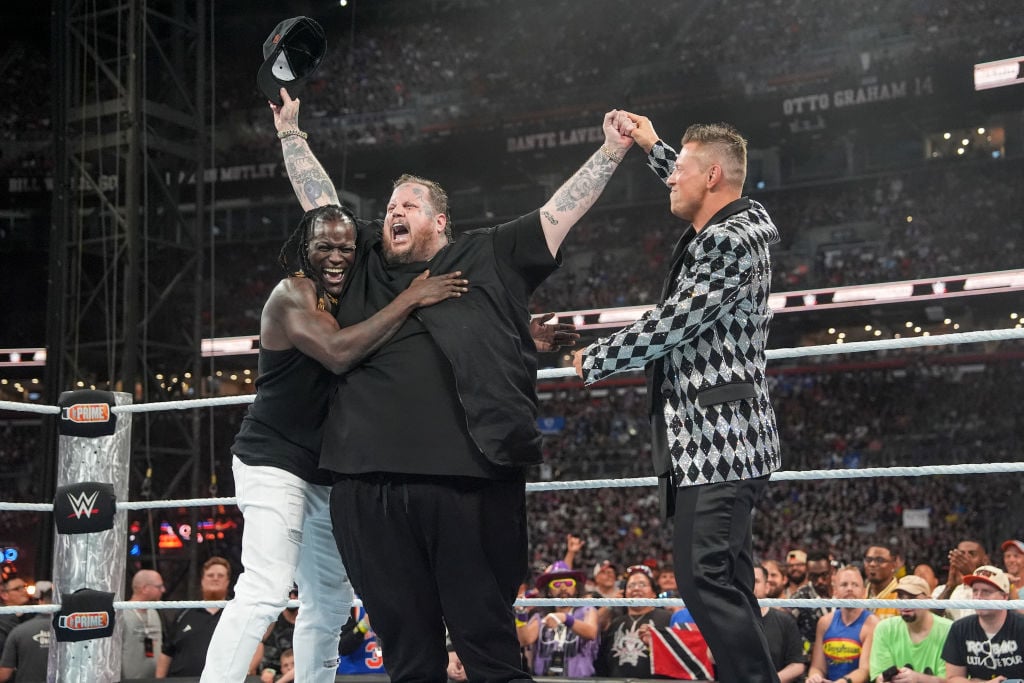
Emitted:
pixel 284 426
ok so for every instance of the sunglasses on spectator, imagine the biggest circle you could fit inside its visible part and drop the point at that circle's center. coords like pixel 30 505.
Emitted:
pixel 562 583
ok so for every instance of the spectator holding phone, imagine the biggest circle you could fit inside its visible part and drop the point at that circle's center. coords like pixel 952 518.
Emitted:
pixel 908 649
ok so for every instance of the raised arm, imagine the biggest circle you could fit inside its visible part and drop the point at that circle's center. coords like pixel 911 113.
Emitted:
pixel 291 319
pixel 660 157
pixel 310 181
pixel 578 194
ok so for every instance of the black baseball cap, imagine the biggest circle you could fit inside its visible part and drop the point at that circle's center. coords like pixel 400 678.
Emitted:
pixel 291 53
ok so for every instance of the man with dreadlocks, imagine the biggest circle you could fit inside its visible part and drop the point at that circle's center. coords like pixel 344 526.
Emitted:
pixel 430 436
pixel 282 494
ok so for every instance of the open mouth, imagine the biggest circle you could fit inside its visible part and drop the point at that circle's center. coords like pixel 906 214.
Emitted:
pixel 399 233
pixel 334 276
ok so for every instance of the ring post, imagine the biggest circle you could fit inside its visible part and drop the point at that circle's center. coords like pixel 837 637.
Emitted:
pixel 90 544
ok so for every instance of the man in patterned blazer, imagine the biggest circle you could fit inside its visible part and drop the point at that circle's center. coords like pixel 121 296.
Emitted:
pixel 715 439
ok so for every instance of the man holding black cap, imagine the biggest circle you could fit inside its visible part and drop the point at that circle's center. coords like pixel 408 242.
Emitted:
pixel 282 494
pixel 429 437
pixel 990 643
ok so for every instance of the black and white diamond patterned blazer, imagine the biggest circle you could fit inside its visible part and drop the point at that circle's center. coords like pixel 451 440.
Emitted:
pixel 703 347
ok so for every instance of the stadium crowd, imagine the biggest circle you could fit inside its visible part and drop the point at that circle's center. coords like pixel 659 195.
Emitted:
pixel 496 67
pixel 896 226
pixel 400 76
pixel 827 420
pixel 397 82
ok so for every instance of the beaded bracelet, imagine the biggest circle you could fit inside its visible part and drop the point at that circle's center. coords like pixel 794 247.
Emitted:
pixel 294 131
pixel 611 155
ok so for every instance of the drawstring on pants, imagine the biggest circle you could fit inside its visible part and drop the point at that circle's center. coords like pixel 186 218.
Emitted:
pixel 384 485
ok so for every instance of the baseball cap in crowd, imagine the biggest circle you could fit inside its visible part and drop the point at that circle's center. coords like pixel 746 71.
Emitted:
pixel 1019 545
pixel 913 585
pixel 798 556
pixel 993 576
pixel 600 566
pixel 291 53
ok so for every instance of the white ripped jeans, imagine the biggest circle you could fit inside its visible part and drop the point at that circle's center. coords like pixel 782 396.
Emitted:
pixel 287 537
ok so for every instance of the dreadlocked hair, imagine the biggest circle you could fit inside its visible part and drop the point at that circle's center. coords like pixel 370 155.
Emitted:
pixel 294 254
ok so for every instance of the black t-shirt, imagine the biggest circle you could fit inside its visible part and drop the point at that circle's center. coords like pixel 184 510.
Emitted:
pixel 1001 655
pixel 401 410
pixel 409 381
pixel 784 642
pixel 623 653
pixel 277 641
pixel 187 640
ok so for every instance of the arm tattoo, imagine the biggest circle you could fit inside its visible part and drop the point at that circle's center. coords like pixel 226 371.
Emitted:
pixel 307 176
pixel 588 182
pixel 552 219
pixel 312 189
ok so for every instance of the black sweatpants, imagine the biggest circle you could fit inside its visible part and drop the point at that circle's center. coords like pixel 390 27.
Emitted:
pixel 713 557
pixel 425 552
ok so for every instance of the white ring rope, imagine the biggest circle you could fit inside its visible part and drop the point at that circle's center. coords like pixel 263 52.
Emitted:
pixel 185 503
pixel 138 604
pixel 552 373
pixel 800 475
pixel 867 603
pixel 184 404
pixel 29 408
pixel 555 373
pixel 857 347
pixel 534 486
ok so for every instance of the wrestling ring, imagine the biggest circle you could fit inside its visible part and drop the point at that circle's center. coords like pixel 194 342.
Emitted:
pixel 97 560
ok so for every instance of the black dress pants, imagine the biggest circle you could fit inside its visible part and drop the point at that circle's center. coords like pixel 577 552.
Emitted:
pixel 426 552
pixel 713 557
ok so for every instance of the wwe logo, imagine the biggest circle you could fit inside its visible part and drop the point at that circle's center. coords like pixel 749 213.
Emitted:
pixel 82 504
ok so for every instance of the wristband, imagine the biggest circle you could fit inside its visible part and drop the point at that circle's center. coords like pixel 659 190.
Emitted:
pixel 569 620
pixel 282 134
